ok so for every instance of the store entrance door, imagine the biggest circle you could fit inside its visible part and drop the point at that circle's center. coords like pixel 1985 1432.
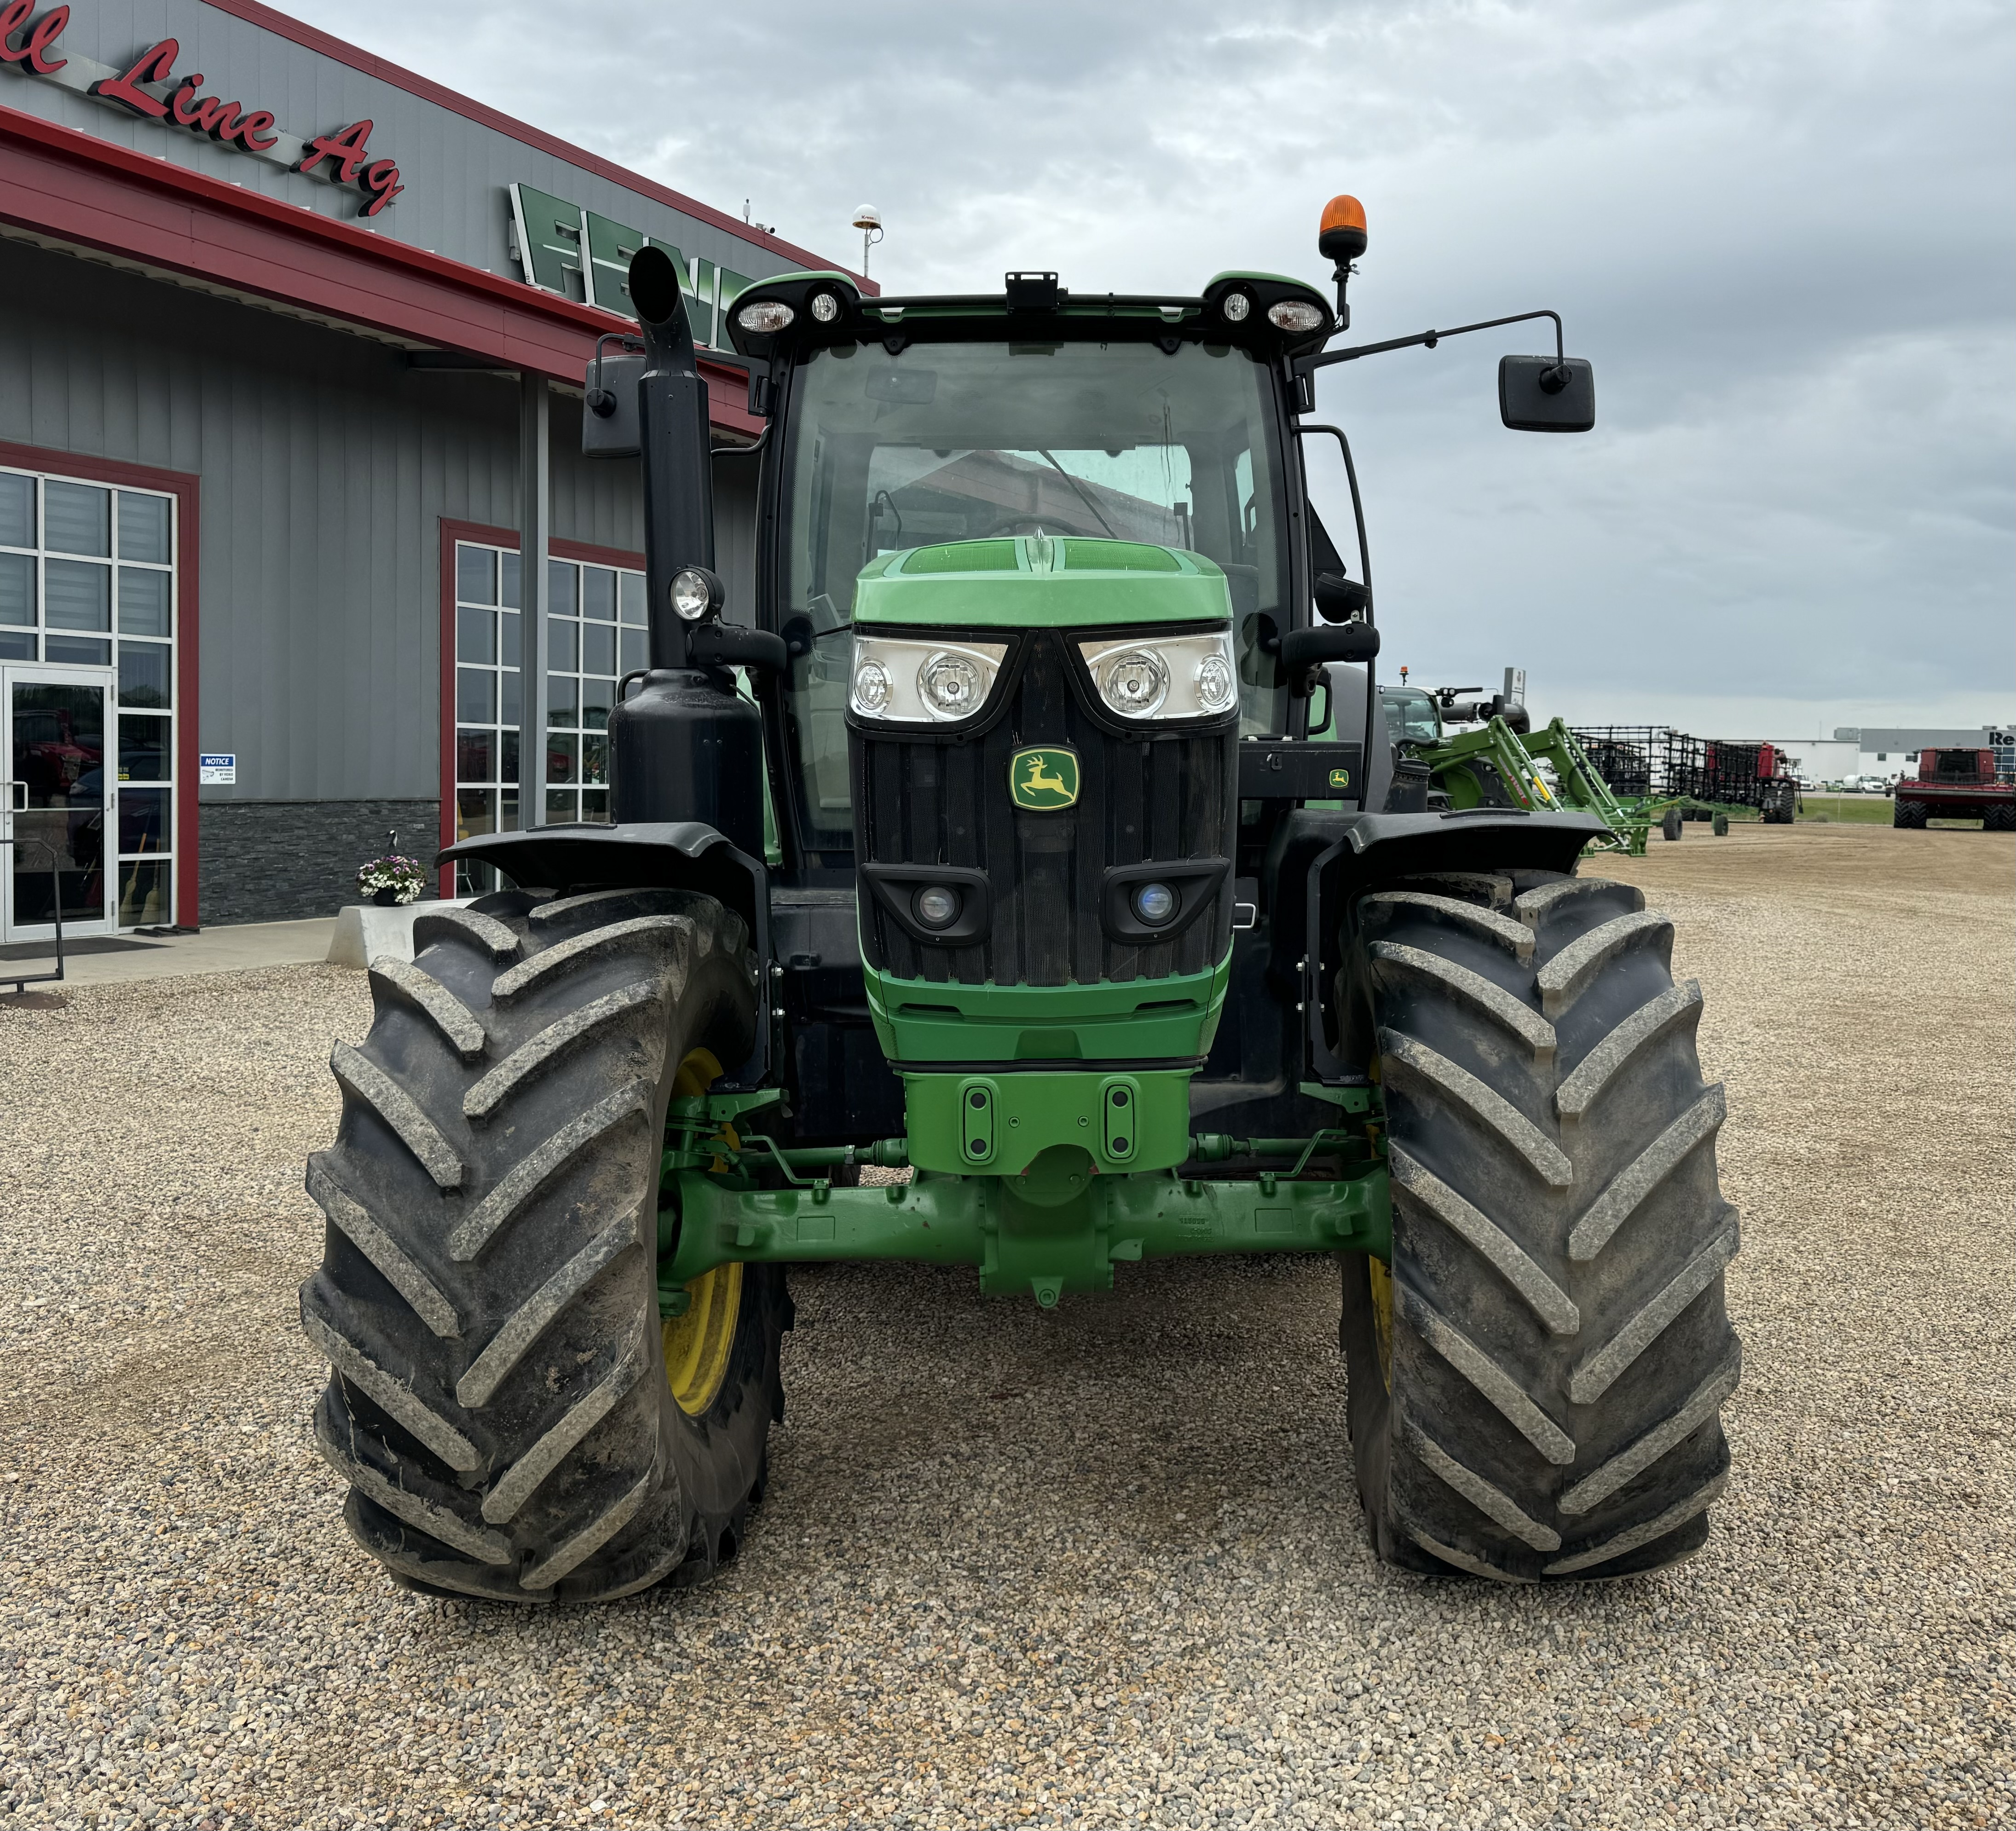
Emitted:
pixel 58 806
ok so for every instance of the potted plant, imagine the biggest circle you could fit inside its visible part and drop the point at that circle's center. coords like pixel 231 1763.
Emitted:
pixel 391 879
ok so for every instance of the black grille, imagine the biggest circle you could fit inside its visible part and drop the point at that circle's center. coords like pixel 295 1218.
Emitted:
pixel 943 800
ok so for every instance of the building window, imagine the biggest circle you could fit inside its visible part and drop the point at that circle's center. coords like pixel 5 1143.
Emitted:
pixel 88 581
pixel 595 633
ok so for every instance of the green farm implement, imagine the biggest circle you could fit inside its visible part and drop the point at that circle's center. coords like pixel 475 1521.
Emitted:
pixel 995 846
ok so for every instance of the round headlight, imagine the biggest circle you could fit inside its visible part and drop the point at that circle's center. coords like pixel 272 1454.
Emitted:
pixel 766 317
pixel 1135 683
pixel 695 591
pixel 872 686
pixel 950 684
pixel 1215 689
pixel 1297 316
pixel 936 907
pixel 825 307
pixel 1236 306
pixel 1155 902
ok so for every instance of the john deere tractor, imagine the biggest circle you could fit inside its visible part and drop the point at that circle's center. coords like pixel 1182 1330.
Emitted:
pixel 990 844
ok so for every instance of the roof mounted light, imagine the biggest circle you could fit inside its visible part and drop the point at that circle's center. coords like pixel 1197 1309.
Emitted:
pixel 1297 316
pixel 825 306
pixel 764 318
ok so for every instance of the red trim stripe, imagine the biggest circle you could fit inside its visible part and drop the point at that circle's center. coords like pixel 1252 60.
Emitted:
pixel 75 188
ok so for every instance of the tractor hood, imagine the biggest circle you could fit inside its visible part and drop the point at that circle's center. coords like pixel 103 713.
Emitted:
pixel 1032 581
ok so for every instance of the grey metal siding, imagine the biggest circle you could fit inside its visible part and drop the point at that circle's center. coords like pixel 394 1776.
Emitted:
pixel 327 467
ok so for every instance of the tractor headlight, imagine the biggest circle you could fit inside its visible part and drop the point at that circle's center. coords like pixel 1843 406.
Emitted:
pixel 1164 677
pixel 766 317
pixel 871 687
pixel 825 306
pixel 1297 316
pixel 949 683
pixel 1155 902
pixel 1235 306
pixel 917 683
pixel 1134 681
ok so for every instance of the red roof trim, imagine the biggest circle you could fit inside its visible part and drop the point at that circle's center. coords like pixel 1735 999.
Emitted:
pixel 310 38
pixel 79 189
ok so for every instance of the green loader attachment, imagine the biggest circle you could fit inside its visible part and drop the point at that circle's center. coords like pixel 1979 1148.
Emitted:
pixel 996 846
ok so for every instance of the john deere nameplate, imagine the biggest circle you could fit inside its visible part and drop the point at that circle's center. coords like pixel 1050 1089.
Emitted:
pixel 1042 781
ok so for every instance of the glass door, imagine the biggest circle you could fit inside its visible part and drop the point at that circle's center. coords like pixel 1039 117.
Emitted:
pixel 58 806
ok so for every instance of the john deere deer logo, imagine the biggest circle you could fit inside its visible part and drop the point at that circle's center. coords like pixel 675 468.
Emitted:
pixel 1042 781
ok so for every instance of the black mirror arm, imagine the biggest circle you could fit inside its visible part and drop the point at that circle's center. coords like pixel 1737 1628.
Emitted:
pixel 1428 340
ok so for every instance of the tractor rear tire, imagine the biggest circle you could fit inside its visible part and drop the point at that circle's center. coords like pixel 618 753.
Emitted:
pixel 1536 1381
pixel 1669 824
pixel 500 1404
pixel 1911 813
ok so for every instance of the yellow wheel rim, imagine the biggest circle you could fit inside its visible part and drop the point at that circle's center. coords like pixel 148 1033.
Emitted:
pixel 698 1344
pixel 1379 1278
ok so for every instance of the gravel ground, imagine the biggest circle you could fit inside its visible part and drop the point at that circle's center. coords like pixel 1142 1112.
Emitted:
pixel 1102 1566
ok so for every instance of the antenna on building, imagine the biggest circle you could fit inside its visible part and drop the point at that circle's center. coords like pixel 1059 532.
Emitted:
pixel 868 219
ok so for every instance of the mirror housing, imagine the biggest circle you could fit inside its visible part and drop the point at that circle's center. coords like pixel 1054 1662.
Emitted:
pixel 608 422
pixel 1339 599
pixel 1544 394
pixel 1303 651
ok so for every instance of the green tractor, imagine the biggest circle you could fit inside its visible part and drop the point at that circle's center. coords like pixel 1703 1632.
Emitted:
pixel 991 844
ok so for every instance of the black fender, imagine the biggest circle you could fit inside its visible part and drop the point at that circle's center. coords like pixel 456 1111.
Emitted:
pixel 672 854
pixel 1321 863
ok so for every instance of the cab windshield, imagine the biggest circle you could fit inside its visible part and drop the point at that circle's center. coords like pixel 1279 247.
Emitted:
pixel 958 441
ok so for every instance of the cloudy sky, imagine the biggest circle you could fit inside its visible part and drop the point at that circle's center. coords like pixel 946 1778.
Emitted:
pixel 1784 233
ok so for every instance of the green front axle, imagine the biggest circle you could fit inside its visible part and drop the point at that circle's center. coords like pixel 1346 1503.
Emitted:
pixel 1059 1225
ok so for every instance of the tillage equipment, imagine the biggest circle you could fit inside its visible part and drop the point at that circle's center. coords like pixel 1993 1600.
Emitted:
pixel 989 843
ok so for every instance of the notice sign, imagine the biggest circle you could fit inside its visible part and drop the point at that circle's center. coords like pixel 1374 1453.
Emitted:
pixel 219 767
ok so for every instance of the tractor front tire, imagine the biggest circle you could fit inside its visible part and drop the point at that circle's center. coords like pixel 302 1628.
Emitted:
pixel 500 1403
pixel 1535 1381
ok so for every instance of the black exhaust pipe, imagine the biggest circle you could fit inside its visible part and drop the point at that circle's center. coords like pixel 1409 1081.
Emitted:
pixel 685 746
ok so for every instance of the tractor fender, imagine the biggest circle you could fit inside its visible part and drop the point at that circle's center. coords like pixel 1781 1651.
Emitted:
pixel 672 854
pixel 1321 863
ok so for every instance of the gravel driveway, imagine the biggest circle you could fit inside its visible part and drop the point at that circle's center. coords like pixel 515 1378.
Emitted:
pixel 1101 1567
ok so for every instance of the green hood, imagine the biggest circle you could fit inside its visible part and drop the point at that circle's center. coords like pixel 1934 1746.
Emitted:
pixel 1032 581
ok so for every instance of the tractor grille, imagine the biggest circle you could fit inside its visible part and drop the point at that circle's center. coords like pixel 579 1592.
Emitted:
pixel 944 800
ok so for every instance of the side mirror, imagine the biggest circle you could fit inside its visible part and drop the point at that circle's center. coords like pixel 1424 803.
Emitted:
pixel 1540 394
pixel 1339 599
pixel 609 426
pixel 1303 650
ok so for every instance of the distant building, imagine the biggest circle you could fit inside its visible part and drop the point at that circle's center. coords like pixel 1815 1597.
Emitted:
pixel 1888 750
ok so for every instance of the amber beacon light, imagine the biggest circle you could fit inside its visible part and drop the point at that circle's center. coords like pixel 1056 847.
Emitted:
pixel 1341 240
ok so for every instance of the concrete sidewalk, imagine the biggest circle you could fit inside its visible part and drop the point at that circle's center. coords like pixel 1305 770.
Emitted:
pixel 232 949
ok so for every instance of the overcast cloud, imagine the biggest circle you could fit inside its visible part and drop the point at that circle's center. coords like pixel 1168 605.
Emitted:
pixel 1783 234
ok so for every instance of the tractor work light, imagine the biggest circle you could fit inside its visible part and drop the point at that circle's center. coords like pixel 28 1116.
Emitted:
pixel 825 307
pixel 1297 316
pixel 936 906
pixel 696 593
pixel 766 317
pixel 1155 902
pixel 919 683
pixel 1236 306
pixel 1164 677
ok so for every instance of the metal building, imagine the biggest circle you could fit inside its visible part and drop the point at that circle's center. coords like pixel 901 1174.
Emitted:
pixel 292 344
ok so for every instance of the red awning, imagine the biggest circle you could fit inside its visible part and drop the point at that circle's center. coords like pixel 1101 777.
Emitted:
pixel 71 188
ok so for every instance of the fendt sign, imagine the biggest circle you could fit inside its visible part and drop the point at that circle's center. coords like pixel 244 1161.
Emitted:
pixel 150 87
